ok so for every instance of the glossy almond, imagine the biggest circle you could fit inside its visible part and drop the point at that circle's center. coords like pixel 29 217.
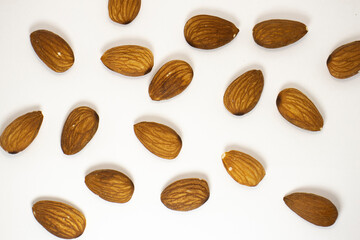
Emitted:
pixel 79 128
pixel 171 80
pixel 159 139
pixel 185 194
pixel 209 32
pixel 344 62
pixel 244 92
pixel 129 60
pixel 277 33
pixel 123 11
pixel 60 219
pixel 313 208
pixel 53 50
pixel 20 133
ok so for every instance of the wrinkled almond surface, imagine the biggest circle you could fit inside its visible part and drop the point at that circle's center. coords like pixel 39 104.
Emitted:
pixel 123 11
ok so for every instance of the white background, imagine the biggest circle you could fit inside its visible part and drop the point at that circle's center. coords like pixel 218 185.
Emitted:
pixel 326 163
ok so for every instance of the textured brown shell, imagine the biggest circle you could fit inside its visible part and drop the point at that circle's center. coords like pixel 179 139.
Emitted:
pixel 123 11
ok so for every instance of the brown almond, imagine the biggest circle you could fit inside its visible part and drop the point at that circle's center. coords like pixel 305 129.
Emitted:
pixel 20 133
pixel 123 11
pixel 171 80
pixel 185 194
pixel 313 208
pixel 79 128
pixel 299 110
pixel 110 185
pixel 159 139
pixel 277 33
pixel 60 219
pixel 53 50
pixel 209 32
pixel 344 62
pixel 242 95
pixel 129 60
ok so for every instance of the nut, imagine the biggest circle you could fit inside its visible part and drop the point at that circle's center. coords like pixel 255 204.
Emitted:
pixel 123 11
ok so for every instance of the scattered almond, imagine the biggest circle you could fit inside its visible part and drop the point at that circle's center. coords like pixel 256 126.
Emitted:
pixel 123 11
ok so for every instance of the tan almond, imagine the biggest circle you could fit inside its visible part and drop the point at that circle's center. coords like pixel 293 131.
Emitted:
pixel 21 132
pixel 123 11
pixel 60 219
pixel 276 33
pixel 344 62
pixel 299 110
pixel 313 208
pixel 209 32
pixel 171 80
pixel 129 60
pixel 53 50
pixel 79 128
pixel 185 194
pixel 159 139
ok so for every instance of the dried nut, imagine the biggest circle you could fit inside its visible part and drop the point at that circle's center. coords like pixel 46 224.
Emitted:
pixel 209 32
pixel 123 11
pixel 129 60
pixel 171 80
pixel 59 219
pixel 79 129
pixel 313 208
pixel 277 33
pixel 54 51
pixel 185 194
pixel 21 132
pixel 159 139
pixel 110 185
pixel 243 93
pixel 295 107
pixel 344 62
pixel 243 168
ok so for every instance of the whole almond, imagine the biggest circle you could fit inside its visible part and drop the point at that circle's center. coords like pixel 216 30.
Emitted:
pixel 159 139
pixel 313 208
pixel 299 110
pixel 123 11
pixel 244 92
pixel 110 185
pixel 344 62
pixel 54 51
pixel 171 80
pixel 129 60
pixel 185 194
pixel 277 33
pixel 20 133
pixel 60 219
pixel 79 128
pixel 209 32
pixel 243 168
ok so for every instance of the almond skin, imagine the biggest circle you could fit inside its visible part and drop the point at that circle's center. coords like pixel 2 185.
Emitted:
pixel 60 219
pixel 344 62
pixel 129 60
pixel 299 110
pixel 20 133
pixel 79 128
pixel 209 32
pixel 185 194
pixel 123 11
pixel 276 33
pixel 110 185
pixel 244 92
pixel 171 80
pixel 313 208
pixel 54 51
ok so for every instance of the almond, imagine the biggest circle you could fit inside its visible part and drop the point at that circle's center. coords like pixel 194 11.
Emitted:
pixel 20 133
pixel 185 194
pixel 244 92
pixel 129 60
pixel 277 33
pixel 123 11
pixel 60 219
pixel 79 128
pixel 54 51
pixel 209 32
pixel 344 62
pixel 171 80
pixel 313 208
